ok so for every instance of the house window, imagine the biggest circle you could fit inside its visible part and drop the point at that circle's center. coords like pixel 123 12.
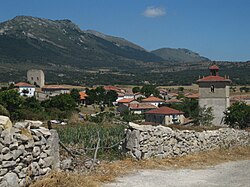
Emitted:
pixel 212 88
pixel 31 78
pixel 37 78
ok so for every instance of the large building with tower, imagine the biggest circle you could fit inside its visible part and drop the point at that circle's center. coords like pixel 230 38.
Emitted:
pixel 36 77
pixel 214 92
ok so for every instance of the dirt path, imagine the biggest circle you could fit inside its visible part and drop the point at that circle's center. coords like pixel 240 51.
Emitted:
pixel 231 174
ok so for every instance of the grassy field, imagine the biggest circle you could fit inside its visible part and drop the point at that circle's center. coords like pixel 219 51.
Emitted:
pixel 107 172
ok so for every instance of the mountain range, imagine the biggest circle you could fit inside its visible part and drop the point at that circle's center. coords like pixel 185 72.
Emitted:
pixel 67 53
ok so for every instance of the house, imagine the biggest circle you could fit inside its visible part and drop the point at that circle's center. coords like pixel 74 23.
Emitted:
pixel 125 101
pixel 136 108
pixel 83 97
pixel 153 100
pixel 140 108
pixel 25 89
pixel 165 116
pixel 192 95
pixel 114 88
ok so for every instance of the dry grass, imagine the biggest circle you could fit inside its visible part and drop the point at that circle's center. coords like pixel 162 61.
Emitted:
pixel 107 172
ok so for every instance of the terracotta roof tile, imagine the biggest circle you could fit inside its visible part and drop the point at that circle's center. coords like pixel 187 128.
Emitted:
pixel 164 110
pixel 126 100
pixel 83 95
pixel 152 99
pixel 23 84
pixel 214 67
pixel 212 78
pixel 138 106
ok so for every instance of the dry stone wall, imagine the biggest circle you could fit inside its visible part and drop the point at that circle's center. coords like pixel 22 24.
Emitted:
pixel 145 141
pixel 27 152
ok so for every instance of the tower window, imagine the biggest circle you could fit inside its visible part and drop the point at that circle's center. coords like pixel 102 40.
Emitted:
pixel 37 78
pixel 31 78
pixel 212 88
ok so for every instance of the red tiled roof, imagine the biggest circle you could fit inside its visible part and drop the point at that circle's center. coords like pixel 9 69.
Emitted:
pixel 164 110
pixel 114 88
pixel 23 84
pixel 173 101
pixel 212 78
pixel 83 95
pixel 138 106
pixel 214 67
pixel 126 100
pixel 152 99
pixel 62 87
pixel 193 96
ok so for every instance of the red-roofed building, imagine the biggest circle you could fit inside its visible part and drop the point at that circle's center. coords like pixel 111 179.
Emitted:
pixel 192 95
pixel 165 116
pixel 136 107
pixel 153 100
pixel 125 101
pixel 114 88
pixel 83 97
pixel 25 89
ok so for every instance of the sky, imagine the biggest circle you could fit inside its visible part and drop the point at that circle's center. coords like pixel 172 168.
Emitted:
pixel 216 29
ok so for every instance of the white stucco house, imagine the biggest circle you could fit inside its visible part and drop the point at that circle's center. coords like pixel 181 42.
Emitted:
pixel 25 89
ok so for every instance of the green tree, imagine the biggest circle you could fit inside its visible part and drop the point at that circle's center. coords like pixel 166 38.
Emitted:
pixel 148 90
pixel 63 102
pixel 136 89
pixel 110 97
pixel 4 111
pixel 205 116
pixel 181 89
pixel 12 101
pixel 238 115
pixel 75 95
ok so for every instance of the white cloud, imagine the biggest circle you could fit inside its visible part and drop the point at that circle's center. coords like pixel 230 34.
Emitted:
pixel 152 12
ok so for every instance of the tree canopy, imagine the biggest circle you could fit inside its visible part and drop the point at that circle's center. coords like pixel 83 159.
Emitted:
pixel 238 115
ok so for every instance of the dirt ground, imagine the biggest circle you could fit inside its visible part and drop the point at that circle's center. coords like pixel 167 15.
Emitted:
pixel 231 174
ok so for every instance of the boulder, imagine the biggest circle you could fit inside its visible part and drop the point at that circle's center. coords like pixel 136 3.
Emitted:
pixel 5 122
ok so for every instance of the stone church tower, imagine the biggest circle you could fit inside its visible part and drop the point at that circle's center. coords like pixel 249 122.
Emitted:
pixel 214 92
pixel 37 77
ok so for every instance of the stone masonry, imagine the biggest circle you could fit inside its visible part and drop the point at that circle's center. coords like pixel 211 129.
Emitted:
pixel 145 141
pixel 27 152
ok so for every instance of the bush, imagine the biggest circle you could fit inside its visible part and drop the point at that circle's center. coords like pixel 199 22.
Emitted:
pixel 238 115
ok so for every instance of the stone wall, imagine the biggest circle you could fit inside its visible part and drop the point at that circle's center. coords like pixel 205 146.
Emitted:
pixel 27 152
pixel 145 141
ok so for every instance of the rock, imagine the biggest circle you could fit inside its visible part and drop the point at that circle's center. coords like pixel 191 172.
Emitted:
pixel 7 156
pixel 6 164
pixel 53 143
pixel 35 168
pixel 44 171
pixel 5 122
pixel 3 171
pixel 17 153
pixel 23 137
pixel 44 131
pixel 11 179
pixel 13 146
pixel 48 161
pixel 34 124
pixel 137 154
pixel 20 125
pixel 5 150
pixel 66 164
pixel 133 139
pixel 36 151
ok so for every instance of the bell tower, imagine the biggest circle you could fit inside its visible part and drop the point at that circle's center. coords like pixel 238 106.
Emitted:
pixel 214 92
